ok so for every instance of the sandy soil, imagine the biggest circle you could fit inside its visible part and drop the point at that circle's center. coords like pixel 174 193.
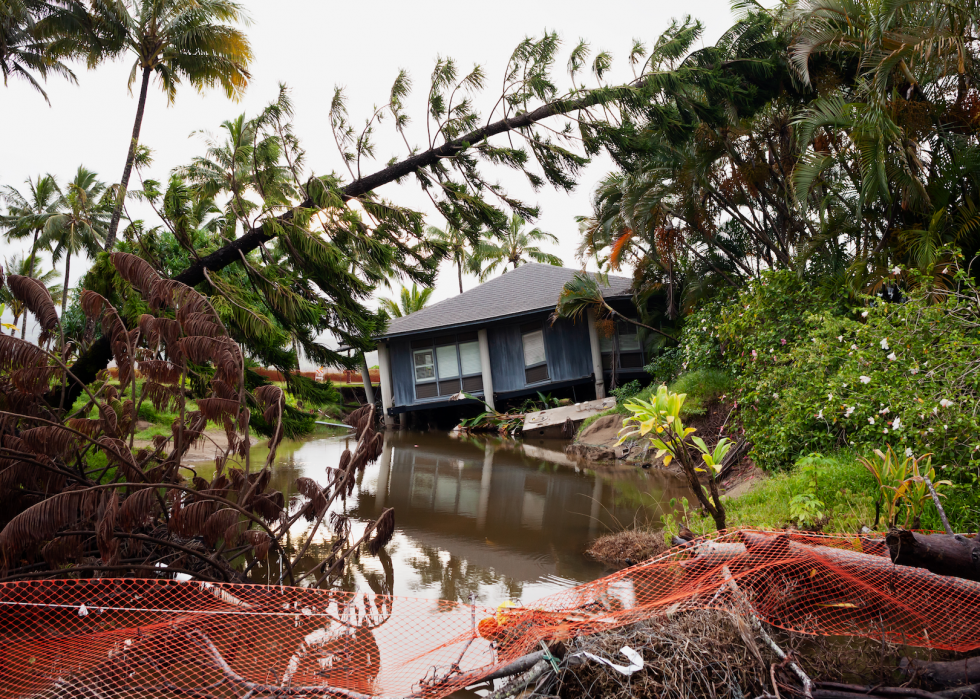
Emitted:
pixel 214 442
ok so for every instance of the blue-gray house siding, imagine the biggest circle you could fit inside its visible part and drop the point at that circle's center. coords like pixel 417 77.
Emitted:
pixel 509 309
pixel 569 357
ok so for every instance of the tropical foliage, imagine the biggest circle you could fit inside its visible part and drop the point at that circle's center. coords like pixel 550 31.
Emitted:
pixel 514 246
pixel 409 301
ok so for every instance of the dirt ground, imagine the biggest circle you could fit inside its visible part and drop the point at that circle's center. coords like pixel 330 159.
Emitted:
pixel 214 442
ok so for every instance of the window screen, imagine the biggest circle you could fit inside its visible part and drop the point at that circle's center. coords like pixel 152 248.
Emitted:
pixel 448 366
pixel 424 366
pixel 534 348
pixel 629 340
pixel 469 358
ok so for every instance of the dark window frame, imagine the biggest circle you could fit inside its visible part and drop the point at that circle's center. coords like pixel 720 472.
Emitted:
pixel 431 344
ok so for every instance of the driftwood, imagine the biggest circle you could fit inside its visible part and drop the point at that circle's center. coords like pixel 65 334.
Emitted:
pixel 945 673
pixel 954 556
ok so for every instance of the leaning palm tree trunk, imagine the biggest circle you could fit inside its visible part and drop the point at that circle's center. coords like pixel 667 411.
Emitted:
pixel 110 239
pixel 23 328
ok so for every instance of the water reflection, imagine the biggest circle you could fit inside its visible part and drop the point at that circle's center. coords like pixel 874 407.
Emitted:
pixel 482 517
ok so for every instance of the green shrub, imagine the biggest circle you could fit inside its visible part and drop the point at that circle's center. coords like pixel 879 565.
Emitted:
pixel 627 390
pixel 701 387
pixel 812 376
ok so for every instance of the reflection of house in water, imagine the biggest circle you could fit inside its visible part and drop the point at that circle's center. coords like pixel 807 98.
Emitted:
pixel 494 505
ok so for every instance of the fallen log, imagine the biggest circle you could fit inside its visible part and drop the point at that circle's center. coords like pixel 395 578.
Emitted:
pixel 945 673
pixel 971 691
pixel 955 556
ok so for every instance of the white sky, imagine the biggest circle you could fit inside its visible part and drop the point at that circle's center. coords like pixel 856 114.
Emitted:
pixel 313 45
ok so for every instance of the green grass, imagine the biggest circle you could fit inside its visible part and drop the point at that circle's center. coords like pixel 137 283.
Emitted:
pixel 701 388
pixel 844 487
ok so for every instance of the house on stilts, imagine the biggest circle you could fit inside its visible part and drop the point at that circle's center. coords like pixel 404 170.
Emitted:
pixel 497 341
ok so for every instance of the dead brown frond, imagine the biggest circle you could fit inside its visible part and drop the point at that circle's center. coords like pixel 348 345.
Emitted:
pixel 63 549
pixel 188 520
pixel 311 490
pixel 217 526
pixel 34 380
pixel 270 506
pixel 148 326
pixel 384 530
pixel 105 530
pixel 119 455
pixel 136 271
pixel 161 371
pixel 16 353
pixel 203 324
pixel 52 440
pixel 36 298
pixel 220 389
pixel 138 509
pixel 162 397
pixel 90 428
pixel 259 541
pixel 40 522
pixel 214 408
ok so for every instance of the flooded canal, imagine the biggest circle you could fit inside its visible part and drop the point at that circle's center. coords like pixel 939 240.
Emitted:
pixel 483 516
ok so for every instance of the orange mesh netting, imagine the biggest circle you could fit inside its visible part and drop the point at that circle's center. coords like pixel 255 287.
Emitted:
pixel 144 637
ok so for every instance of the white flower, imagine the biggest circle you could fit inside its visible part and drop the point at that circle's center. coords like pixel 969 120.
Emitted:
pixel 820 414
pixel 892 356
pixel 854 347
pixel 884 343
pixel 850 409
pixel 884 411
pixel 945 403
pixel 896 270
pixel 871 421
pixel 776 396
pixel 830 396
pixel 908 451
pixel 897 424
pixel 945 427
pixel 840 338
pixel 885 431
pixel 865 379
pixel 914 370
pixel 864 314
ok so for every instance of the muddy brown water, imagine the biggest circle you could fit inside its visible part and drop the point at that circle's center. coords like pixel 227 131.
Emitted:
pixel 483 518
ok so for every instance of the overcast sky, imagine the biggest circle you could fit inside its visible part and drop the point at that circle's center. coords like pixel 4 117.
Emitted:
pixel 313 45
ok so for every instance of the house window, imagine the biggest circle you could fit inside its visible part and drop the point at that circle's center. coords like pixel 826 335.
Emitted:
pixel 535 360
pixel 629 338
pixel 469 358
pixel 447 365
pixel 425 368
pixel 630 349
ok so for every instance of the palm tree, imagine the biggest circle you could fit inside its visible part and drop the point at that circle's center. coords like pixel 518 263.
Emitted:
pixel 24 52
pixel 80 224
pixel 23 265
pixel 457 247
pixel 177 40
pixel 411 301
pixel 515 246
pixel 26 215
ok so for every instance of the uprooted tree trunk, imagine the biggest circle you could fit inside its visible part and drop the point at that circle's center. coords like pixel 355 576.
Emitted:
pixel 943 554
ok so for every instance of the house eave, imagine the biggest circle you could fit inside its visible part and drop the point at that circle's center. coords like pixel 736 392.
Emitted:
pixel 478 323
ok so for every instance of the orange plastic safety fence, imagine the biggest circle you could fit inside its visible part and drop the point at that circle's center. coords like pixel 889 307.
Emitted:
pixel 160 638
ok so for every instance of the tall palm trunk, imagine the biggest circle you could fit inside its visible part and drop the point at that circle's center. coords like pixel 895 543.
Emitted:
pixel 459 266
pixel 64 289
pixel 23 328
pixel 110 238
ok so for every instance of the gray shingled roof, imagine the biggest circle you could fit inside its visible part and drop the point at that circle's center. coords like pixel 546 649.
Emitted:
pixel 530 287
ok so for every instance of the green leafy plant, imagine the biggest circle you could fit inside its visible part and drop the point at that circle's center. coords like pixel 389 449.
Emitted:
pixel 806 509
pixel 902 484
pixel 627 390
pixel 660 421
